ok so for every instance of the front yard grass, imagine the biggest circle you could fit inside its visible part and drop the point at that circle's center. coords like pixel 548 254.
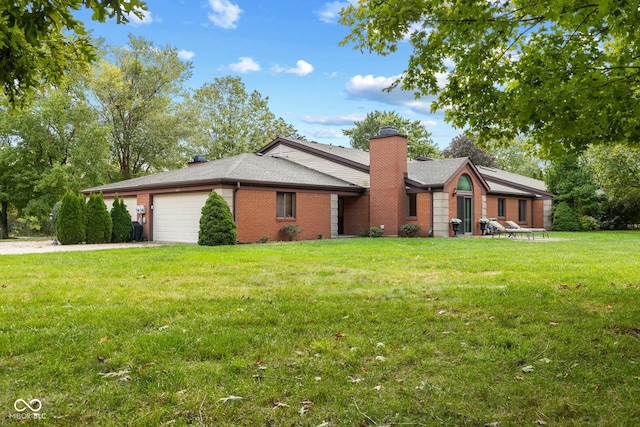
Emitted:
pixel 353 332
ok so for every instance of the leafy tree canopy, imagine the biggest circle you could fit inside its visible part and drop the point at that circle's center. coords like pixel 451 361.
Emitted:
pixel 419 141
pixel 463 146
pixel 227 120
pixel 564 73
pixel 40 40
pixel 134 89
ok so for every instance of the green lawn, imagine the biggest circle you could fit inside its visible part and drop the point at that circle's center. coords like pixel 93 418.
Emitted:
pixel 353 332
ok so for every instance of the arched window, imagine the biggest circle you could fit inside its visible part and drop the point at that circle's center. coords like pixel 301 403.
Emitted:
pixel 464 183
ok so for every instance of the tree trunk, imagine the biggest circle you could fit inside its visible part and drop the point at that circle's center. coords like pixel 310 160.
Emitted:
pixel 4 220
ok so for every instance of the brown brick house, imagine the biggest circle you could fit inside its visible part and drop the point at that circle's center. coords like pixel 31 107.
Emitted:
pixel 330 191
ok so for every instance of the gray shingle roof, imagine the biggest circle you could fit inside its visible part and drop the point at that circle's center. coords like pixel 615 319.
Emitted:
pixel 433 172
pixel 497 176
pixel 243 168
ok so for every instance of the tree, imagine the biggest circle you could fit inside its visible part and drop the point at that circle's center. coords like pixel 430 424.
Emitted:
pixel 564 73
pixel 72 219
pixel 571 181
pixel 99 224
pixel 463 146
pixel 134 88
pixel 121 220
pixel 216 223
pixel 617 173
pixel 226 120
pixel 516 157
pixel 41 40
pixel 54 145
pixel 419 141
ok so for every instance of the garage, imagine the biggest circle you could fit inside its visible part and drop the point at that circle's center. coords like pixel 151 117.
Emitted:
pixel 176 217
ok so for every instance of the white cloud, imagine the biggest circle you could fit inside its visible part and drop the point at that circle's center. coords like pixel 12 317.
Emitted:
pixel 146 17
pixel 245 65
pixel 347 119
pixel 224 14
pixel 325 133
pixel 330 12
pixel 186 55
pixel 302 68
pixel 428 123
pixel 373 89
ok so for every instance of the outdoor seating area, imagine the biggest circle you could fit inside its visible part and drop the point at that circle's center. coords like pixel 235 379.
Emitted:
pixel 513 230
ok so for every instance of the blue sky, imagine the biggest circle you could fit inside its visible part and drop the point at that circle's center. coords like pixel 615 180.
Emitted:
pixel 288 51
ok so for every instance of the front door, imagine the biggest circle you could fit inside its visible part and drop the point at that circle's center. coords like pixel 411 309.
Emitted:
pixel 465 213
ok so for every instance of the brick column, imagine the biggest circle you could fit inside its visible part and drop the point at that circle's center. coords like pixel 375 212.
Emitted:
pixel 387 172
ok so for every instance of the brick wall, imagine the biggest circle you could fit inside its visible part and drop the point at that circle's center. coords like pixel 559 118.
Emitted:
pixel 356 214
pixel 147 227
pixel 256 215
pixel 423 211
pixel 388 168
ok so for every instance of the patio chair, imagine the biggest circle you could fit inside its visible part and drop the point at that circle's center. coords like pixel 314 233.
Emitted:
pixel 543 231
pixel 500 229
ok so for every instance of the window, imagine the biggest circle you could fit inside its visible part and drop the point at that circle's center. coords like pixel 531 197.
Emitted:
pixel 502 208
pixel 464 183
pixel 285 205
pixel 412 208
pixel 522 210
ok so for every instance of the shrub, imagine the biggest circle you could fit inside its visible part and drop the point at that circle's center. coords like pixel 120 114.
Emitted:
pixel 376 232
pixel 565 218
pixel 121 220
pixel 410 230
pixel 264 239
pixel 216 223
pixel 589 223
pixel 99 224
pixel 292 231
pixel 72 219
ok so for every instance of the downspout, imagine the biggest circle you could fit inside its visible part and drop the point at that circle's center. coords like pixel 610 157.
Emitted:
pixel 431 199
pixel 235 201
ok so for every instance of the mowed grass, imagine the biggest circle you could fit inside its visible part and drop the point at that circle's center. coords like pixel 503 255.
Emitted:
pixel 353 332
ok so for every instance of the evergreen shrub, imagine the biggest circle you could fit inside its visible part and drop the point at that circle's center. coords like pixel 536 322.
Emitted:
pixel 99 224
pixel 121 220
pixel 71 224
pixel 565 218
pixel 216 223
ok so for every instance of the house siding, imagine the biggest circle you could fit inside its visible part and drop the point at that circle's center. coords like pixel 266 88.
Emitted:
pixel 423 214
pixel 256 215
pixel 356 215
pixel 320 164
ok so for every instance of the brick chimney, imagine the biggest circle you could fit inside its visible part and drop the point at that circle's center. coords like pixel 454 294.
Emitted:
pixel 387 172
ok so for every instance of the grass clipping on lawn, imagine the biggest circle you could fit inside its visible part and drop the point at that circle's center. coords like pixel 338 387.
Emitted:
pixel 359 332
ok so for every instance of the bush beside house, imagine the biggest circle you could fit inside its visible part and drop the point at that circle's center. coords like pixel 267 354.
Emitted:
pixel 71 225
pixel 98 220
pixel 216 223
pixel 565 218
pixel 121 222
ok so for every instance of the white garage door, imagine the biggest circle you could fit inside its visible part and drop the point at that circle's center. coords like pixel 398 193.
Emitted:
pixel 176 217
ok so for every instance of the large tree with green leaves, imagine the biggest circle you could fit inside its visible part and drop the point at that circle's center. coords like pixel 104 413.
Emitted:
pixel 227 120
pixel 465 146
pixel 419 141
pixel 135 89
pixel 41 40
pixel 617 173
pixel 571 180
pixel 54 145
pixel 565 73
